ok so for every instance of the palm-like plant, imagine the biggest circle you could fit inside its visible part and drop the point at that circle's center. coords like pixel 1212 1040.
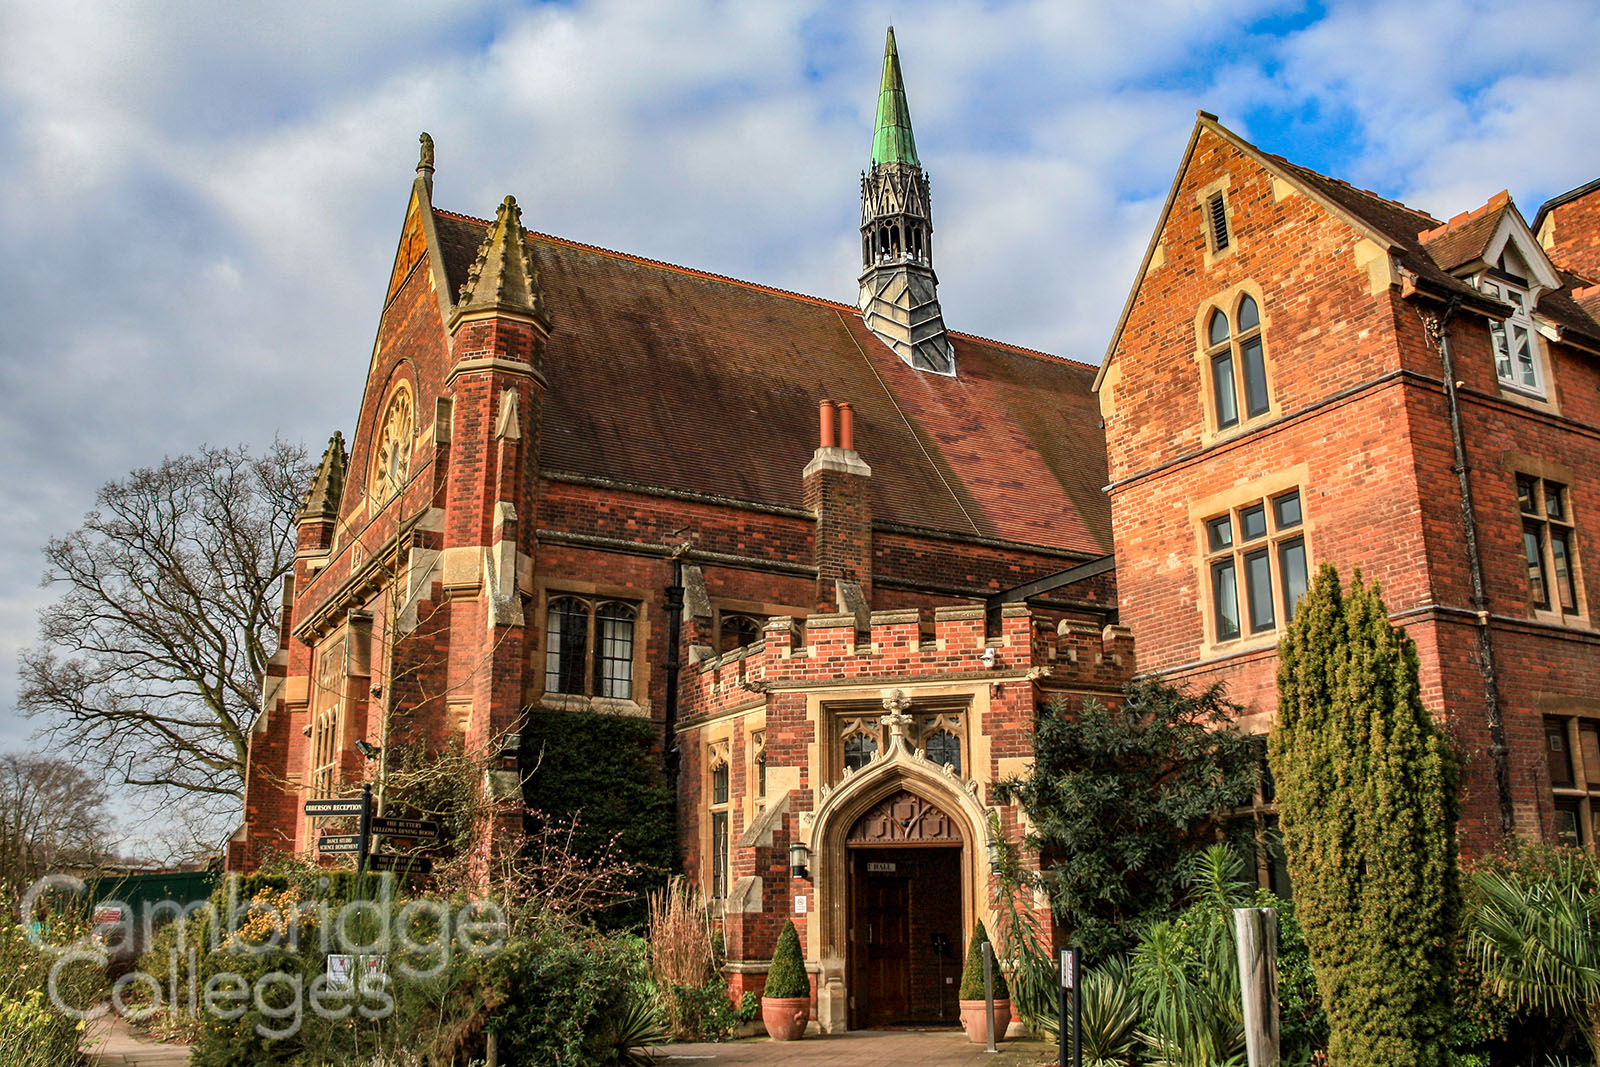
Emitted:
pixel 1110 1015
pixel 1538 940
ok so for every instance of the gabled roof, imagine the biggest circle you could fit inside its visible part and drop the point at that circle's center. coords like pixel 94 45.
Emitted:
pixel 1556 201
pixel 1392 225
pixel 1474 239
pixel 673 378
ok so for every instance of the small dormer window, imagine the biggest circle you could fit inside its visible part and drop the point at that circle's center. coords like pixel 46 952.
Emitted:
pixel 1516 355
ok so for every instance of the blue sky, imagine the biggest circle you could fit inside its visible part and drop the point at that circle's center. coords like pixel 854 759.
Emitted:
pixel 203 200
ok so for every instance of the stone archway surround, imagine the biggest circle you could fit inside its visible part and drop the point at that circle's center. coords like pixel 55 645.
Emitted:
pixel 825 829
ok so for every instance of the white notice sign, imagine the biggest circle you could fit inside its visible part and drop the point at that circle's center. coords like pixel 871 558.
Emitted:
pixel 800 904
pixel 339 971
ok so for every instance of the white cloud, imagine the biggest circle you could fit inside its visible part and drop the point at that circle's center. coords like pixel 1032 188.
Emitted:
pixel 203 200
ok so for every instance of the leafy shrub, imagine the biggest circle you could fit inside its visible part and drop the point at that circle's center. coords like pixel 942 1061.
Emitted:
pixel 1110 1015
pixel 33 1032
pixel 1121 796
pixel 787 975
pixel 972 973
pixel 1529 984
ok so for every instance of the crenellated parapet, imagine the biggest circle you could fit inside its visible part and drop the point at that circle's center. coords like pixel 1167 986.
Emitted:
pixel 957 643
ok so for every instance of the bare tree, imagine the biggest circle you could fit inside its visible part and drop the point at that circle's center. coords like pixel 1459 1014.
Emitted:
pixel 150 664
pixel 52 816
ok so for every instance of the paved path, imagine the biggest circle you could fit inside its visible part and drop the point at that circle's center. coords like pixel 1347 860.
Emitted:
pixel 109 1043
pixel 861 1048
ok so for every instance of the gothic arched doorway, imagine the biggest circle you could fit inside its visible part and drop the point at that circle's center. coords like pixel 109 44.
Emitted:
pixel 906 913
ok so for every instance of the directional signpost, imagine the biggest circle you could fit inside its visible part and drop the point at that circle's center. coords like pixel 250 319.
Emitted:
pixel 360 842
pixel 317 809
pixel 418 829
pixel 339 843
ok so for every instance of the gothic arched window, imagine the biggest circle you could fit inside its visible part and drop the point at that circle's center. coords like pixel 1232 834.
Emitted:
pixel 1238 363
pixel 859 750
pixel 738 631
pixel 944 747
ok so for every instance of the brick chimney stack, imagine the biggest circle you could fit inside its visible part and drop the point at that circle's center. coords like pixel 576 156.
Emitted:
pixel 838 492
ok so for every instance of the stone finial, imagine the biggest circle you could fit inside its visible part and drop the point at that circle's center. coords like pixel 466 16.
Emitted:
pixel 503 278
pixel 321 502
pixel 425 160
pixel 896 721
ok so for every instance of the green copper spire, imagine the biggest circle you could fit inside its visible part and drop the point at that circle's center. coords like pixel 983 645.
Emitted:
pixel 893 142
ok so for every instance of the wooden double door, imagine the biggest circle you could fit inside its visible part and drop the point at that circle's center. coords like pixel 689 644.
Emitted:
pixel 905 936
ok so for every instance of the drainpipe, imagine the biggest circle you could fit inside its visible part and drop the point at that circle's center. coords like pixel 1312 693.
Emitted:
pixel 1480 600
pixel 674 604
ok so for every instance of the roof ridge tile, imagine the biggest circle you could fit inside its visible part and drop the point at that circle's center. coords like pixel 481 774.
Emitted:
pixel 1499 200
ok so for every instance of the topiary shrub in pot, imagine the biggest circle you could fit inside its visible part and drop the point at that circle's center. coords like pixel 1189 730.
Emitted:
pixel 972 999
pixel 786 999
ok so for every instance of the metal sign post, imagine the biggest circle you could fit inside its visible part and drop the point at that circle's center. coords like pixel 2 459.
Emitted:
pixel 1076 977
pixel 365 846
pixel 1071 981
pixel 988 994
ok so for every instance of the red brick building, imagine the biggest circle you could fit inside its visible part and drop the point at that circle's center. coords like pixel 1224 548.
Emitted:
pixel 576 473
pixel 1305 372
pixel 577 476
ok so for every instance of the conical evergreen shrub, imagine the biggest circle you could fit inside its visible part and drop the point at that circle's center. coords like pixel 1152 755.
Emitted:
pixel 972 973
pixel 1367 792
pixel 787 975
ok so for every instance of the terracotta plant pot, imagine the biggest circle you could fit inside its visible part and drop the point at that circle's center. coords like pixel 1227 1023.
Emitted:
pixel 972 1020
pixel 786 1017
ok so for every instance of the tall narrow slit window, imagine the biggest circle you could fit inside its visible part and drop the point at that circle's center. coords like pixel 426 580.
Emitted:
pixel 574 626
pixel 1238 364
pixel 719 830
pixel 1549 544
pixel 1257 566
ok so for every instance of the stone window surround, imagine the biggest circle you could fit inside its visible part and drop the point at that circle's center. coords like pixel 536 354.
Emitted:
pixel 1517 463
pixel 643 602
pixel 1587 796
pixel 718 753
pixel 1264 489
pixel 1227 301
pixel 326 716
pixel 1209 255
pixel 952 713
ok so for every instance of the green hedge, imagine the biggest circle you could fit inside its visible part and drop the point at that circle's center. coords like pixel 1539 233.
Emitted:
pixel 606 771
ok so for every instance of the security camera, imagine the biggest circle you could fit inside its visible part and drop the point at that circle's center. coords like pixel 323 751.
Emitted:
pixel 367 748
pixel 988 657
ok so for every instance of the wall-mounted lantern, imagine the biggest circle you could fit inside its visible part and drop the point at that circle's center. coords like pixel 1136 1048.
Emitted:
pixel 799 859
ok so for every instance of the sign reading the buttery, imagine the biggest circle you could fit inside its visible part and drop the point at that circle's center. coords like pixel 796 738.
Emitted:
pixel 418 828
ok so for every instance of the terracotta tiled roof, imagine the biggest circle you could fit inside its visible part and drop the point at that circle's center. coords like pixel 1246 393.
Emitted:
pixel 1427 244
pixel 1464 238
pixel 675 378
